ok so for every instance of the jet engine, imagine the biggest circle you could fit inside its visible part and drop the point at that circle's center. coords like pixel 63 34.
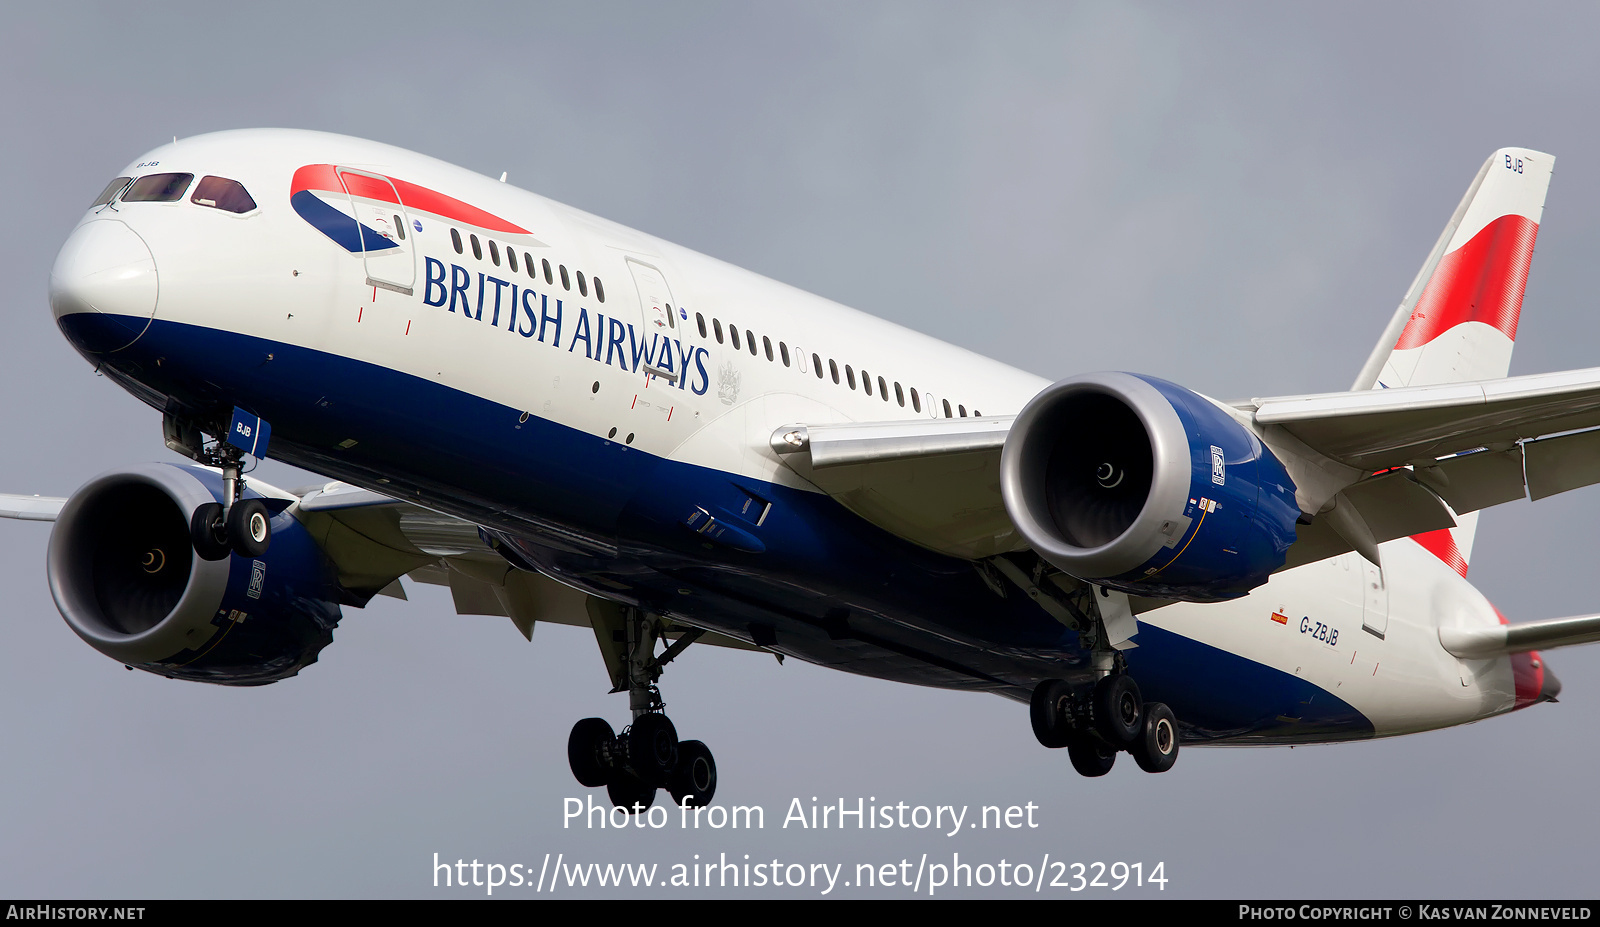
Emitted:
pixel 125 577
pixel 1139 485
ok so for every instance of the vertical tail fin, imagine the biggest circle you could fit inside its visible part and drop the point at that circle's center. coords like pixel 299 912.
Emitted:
pixel 1458 321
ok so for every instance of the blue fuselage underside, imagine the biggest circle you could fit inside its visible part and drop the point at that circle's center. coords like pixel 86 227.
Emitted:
pixel 818 582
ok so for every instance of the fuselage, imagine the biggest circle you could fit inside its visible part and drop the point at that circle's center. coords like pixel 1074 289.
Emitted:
pixel 582 390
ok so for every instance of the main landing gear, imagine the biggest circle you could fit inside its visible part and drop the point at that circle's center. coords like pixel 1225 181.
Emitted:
pixel 647 754
pixel 1096 721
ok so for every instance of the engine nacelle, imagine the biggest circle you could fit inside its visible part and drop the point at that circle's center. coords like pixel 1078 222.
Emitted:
pixel 1142 486
pixel 125 577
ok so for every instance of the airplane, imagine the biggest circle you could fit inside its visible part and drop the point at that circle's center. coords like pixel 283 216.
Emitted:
pixel 565 420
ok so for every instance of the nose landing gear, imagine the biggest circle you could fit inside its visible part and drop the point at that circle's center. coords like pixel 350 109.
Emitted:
pixel 647 754
pixel 236 524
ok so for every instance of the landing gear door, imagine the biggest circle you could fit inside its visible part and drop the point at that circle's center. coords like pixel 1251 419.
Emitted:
pixel 384 236
pixel 1375 607
pixel 660 320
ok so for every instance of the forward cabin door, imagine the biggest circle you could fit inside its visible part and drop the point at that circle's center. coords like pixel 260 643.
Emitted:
pixel 385 237
pixel 659 320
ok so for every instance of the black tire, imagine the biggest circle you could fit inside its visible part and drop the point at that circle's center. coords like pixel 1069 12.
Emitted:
pixel 652 744
pixel 1156 748
pixel 589 749
pixel 207 534
pixel 625 792
pixel 249 527
pixel 1118 710
pixel 1047 710
pixel 1091 757
pixel 695 778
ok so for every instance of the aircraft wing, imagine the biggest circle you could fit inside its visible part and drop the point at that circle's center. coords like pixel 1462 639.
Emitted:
pixel 935 482
pixel 1473 445
pixel 1528 420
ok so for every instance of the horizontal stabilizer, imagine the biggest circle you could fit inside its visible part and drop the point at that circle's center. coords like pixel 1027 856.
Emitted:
pixel 1478 643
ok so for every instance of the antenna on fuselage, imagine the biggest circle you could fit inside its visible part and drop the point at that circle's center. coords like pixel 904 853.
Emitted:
pixel 502 176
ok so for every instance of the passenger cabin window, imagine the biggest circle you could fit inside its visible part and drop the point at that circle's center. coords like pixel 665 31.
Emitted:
pixel 549 277
pixel 399 227
pixel 733 336
pixel 700 321
pixel 566 284
pixel 783 351
pixel 833 367
pixel 157 188
pixel 716 327
pixel 511 258
pixel 866 382
pixel 494 252
pixel 599 291
pixel 455 239
pixel 477 249
pixel 224 194
pixel 962 410
pixel 947 412
pixel 899 396
pixel 766 343
pixel 111 190
pixel 527 261
pixel 750 341
pixel 849 375
pixel 583 285
pixel 916 401
pixel 817 363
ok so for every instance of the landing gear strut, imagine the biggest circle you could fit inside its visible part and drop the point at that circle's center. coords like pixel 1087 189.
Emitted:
pixel 1095 720
pixel 234 525
pixel 647 754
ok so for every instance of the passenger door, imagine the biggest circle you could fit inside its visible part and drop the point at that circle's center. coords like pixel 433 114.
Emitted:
pixel 384 232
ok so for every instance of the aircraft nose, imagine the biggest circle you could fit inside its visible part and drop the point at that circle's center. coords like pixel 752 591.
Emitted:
pixel 103 286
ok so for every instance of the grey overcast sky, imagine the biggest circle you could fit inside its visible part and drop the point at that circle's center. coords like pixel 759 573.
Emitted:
pixel 1230 196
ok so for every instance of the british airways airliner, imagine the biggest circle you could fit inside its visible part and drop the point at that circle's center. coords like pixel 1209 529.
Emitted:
pixel 566 420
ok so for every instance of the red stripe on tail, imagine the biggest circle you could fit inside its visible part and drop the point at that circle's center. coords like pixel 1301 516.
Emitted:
pixel 1481 281
pixel 1442 544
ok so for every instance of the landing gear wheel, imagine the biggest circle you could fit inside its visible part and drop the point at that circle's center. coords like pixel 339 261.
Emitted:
pixel 588 751
pixel 1156 747
pixel 207 532
pixel 694 780
pixel 652 745
pixel 1090 757
pixel 1048 712
pixel 629 793
pixel 1117 709
pixel 249 527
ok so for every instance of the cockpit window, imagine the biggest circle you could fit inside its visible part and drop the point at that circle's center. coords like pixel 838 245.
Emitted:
pixel 111 190
pixel 157 188
pixel 222 193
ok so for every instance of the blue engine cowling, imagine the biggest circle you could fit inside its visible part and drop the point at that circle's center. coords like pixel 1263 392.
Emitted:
pixel 125 577
pixel 1142 486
